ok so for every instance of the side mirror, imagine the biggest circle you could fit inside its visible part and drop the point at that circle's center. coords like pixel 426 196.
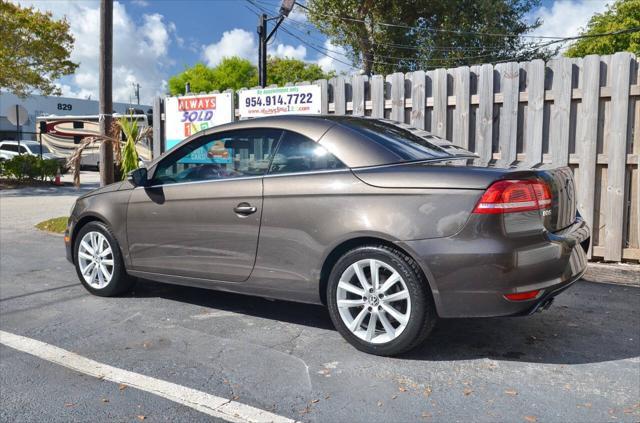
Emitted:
pixel 138 177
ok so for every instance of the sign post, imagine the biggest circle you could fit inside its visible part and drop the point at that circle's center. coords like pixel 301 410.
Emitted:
pixel 17 115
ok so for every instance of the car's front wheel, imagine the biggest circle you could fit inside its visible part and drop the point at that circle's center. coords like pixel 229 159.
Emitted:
pixel 379 301
pixel 99 262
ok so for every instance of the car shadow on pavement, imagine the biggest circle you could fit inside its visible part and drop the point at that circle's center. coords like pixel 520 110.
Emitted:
pixel 588 324
pixel 285 311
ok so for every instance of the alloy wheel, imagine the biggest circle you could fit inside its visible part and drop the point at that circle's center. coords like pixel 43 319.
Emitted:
pixel 95 258
pixel 373 301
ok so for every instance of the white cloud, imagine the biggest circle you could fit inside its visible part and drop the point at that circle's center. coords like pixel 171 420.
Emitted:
pixel 566 18
pixel 141 3
pixel 139 51
pixel 241 43
pixel 236 42
pixel 334 58
pixel 285 50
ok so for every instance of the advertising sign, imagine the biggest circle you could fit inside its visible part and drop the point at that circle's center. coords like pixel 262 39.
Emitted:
pixel 184 116
pixel 301 99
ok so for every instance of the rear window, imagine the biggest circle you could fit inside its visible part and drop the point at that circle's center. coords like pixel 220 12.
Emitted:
pixel 402 142
pixel 35 149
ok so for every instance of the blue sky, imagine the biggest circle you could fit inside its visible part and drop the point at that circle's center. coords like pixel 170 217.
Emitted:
pixel 154 39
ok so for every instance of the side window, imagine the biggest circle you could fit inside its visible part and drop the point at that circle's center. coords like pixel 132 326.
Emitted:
pixel 10 147
pixel 23 150
pixel 226 155
pixel 297 153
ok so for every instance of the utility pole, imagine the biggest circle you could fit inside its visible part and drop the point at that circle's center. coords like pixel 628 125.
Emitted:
pixel 262 50
pixel 136 91
pixel 264 36
pixel 106 101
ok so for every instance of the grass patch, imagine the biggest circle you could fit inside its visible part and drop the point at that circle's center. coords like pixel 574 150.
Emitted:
pixel 56 225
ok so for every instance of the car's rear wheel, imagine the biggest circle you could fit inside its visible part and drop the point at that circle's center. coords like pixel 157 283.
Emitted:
pixel 99 262
pixel 379 301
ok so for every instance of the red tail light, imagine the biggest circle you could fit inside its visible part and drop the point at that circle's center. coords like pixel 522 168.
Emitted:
pixel 511 195
pixel 523 296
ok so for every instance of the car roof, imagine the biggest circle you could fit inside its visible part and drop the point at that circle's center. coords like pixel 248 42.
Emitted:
pixel 332 131
pixel 346 146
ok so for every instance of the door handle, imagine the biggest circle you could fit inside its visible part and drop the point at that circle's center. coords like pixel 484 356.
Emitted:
pixel 245 209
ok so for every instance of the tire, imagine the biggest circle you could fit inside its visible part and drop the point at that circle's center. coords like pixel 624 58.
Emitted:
pixel 412 301
pixel 98 282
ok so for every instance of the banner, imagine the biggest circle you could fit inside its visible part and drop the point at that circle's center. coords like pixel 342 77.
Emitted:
pixel 185 116
pixel 301 99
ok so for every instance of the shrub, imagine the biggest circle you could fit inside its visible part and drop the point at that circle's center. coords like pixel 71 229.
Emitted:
pixel 29 167
pixel 49 168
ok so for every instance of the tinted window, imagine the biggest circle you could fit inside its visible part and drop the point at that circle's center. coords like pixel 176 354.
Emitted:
pixel 23 149
pixel 9 147
pixel 35 149
pixel 402 142
pixel 227 155
pixel 297 153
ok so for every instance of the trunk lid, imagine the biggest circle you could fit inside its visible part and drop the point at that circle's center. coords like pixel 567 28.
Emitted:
pixel 563 204
pixel 437 174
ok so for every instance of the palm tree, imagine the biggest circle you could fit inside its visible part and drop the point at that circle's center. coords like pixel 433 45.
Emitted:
pixel 125 155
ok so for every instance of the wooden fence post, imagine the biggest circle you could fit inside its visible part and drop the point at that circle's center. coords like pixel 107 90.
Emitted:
pixel 377 96
pixel 509 86
pixel 484 117
pixel 462 87
pixel 559 122
pixel 397 96
pixel 535 112
pixel 587 140
pixel 418 99
pixel 617 152
pixel 440 101
pixel 357 94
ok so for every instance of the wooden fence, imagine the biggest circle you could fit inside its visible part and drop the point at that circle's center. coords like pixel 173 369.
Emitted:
pixel 582 113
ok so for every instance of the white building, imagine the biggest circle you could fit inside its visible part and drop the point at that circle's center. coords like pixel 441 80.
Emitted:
pixel 40 105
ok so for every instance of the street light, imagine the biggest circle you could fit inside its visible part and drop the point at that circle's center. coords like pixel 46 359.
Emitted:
pixel 285 8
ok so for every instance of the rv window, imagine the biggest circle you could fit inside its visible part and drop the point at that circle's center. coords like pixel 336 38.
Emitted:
pixel 77 124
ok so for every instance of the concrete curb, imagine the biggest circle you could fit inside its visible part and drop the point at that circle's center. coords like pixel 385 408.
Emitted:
pixel 623 274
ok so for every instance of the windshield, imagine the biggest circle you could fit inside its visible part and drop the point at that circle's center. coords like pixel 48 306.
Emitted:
pixel 35 149
pixel 405 144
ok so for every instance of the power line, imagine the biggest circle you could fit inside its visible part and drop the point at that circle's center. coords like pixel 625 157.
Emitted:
pixel 325 51
pixel 488 34
pixel 493 52
pixel 302 25
pixel 532 47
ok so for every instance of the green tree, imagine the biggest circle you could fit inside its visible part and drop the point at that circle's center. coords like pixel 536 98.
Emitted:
pixel 384 36
pixel 231 72
pixel 283 70
pixel 235 73
pixel 34 50
pixel 199 76
pixel 620 16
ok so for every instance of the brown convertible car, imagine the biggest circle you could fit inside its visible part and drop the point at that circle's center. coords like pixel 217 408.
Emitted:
pixel 386 225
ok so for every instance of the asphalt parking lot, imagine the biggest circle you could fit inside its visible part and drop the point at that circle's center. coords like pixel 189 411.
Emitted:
pixel 578 361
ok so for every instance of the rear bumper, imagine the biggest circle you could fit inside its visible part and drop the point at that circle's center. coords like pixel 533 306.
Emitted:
pixel 470 272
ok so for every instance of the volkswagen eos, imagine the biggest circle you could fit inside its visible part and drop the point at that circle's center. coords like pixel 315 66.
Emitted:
pixel 388 226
